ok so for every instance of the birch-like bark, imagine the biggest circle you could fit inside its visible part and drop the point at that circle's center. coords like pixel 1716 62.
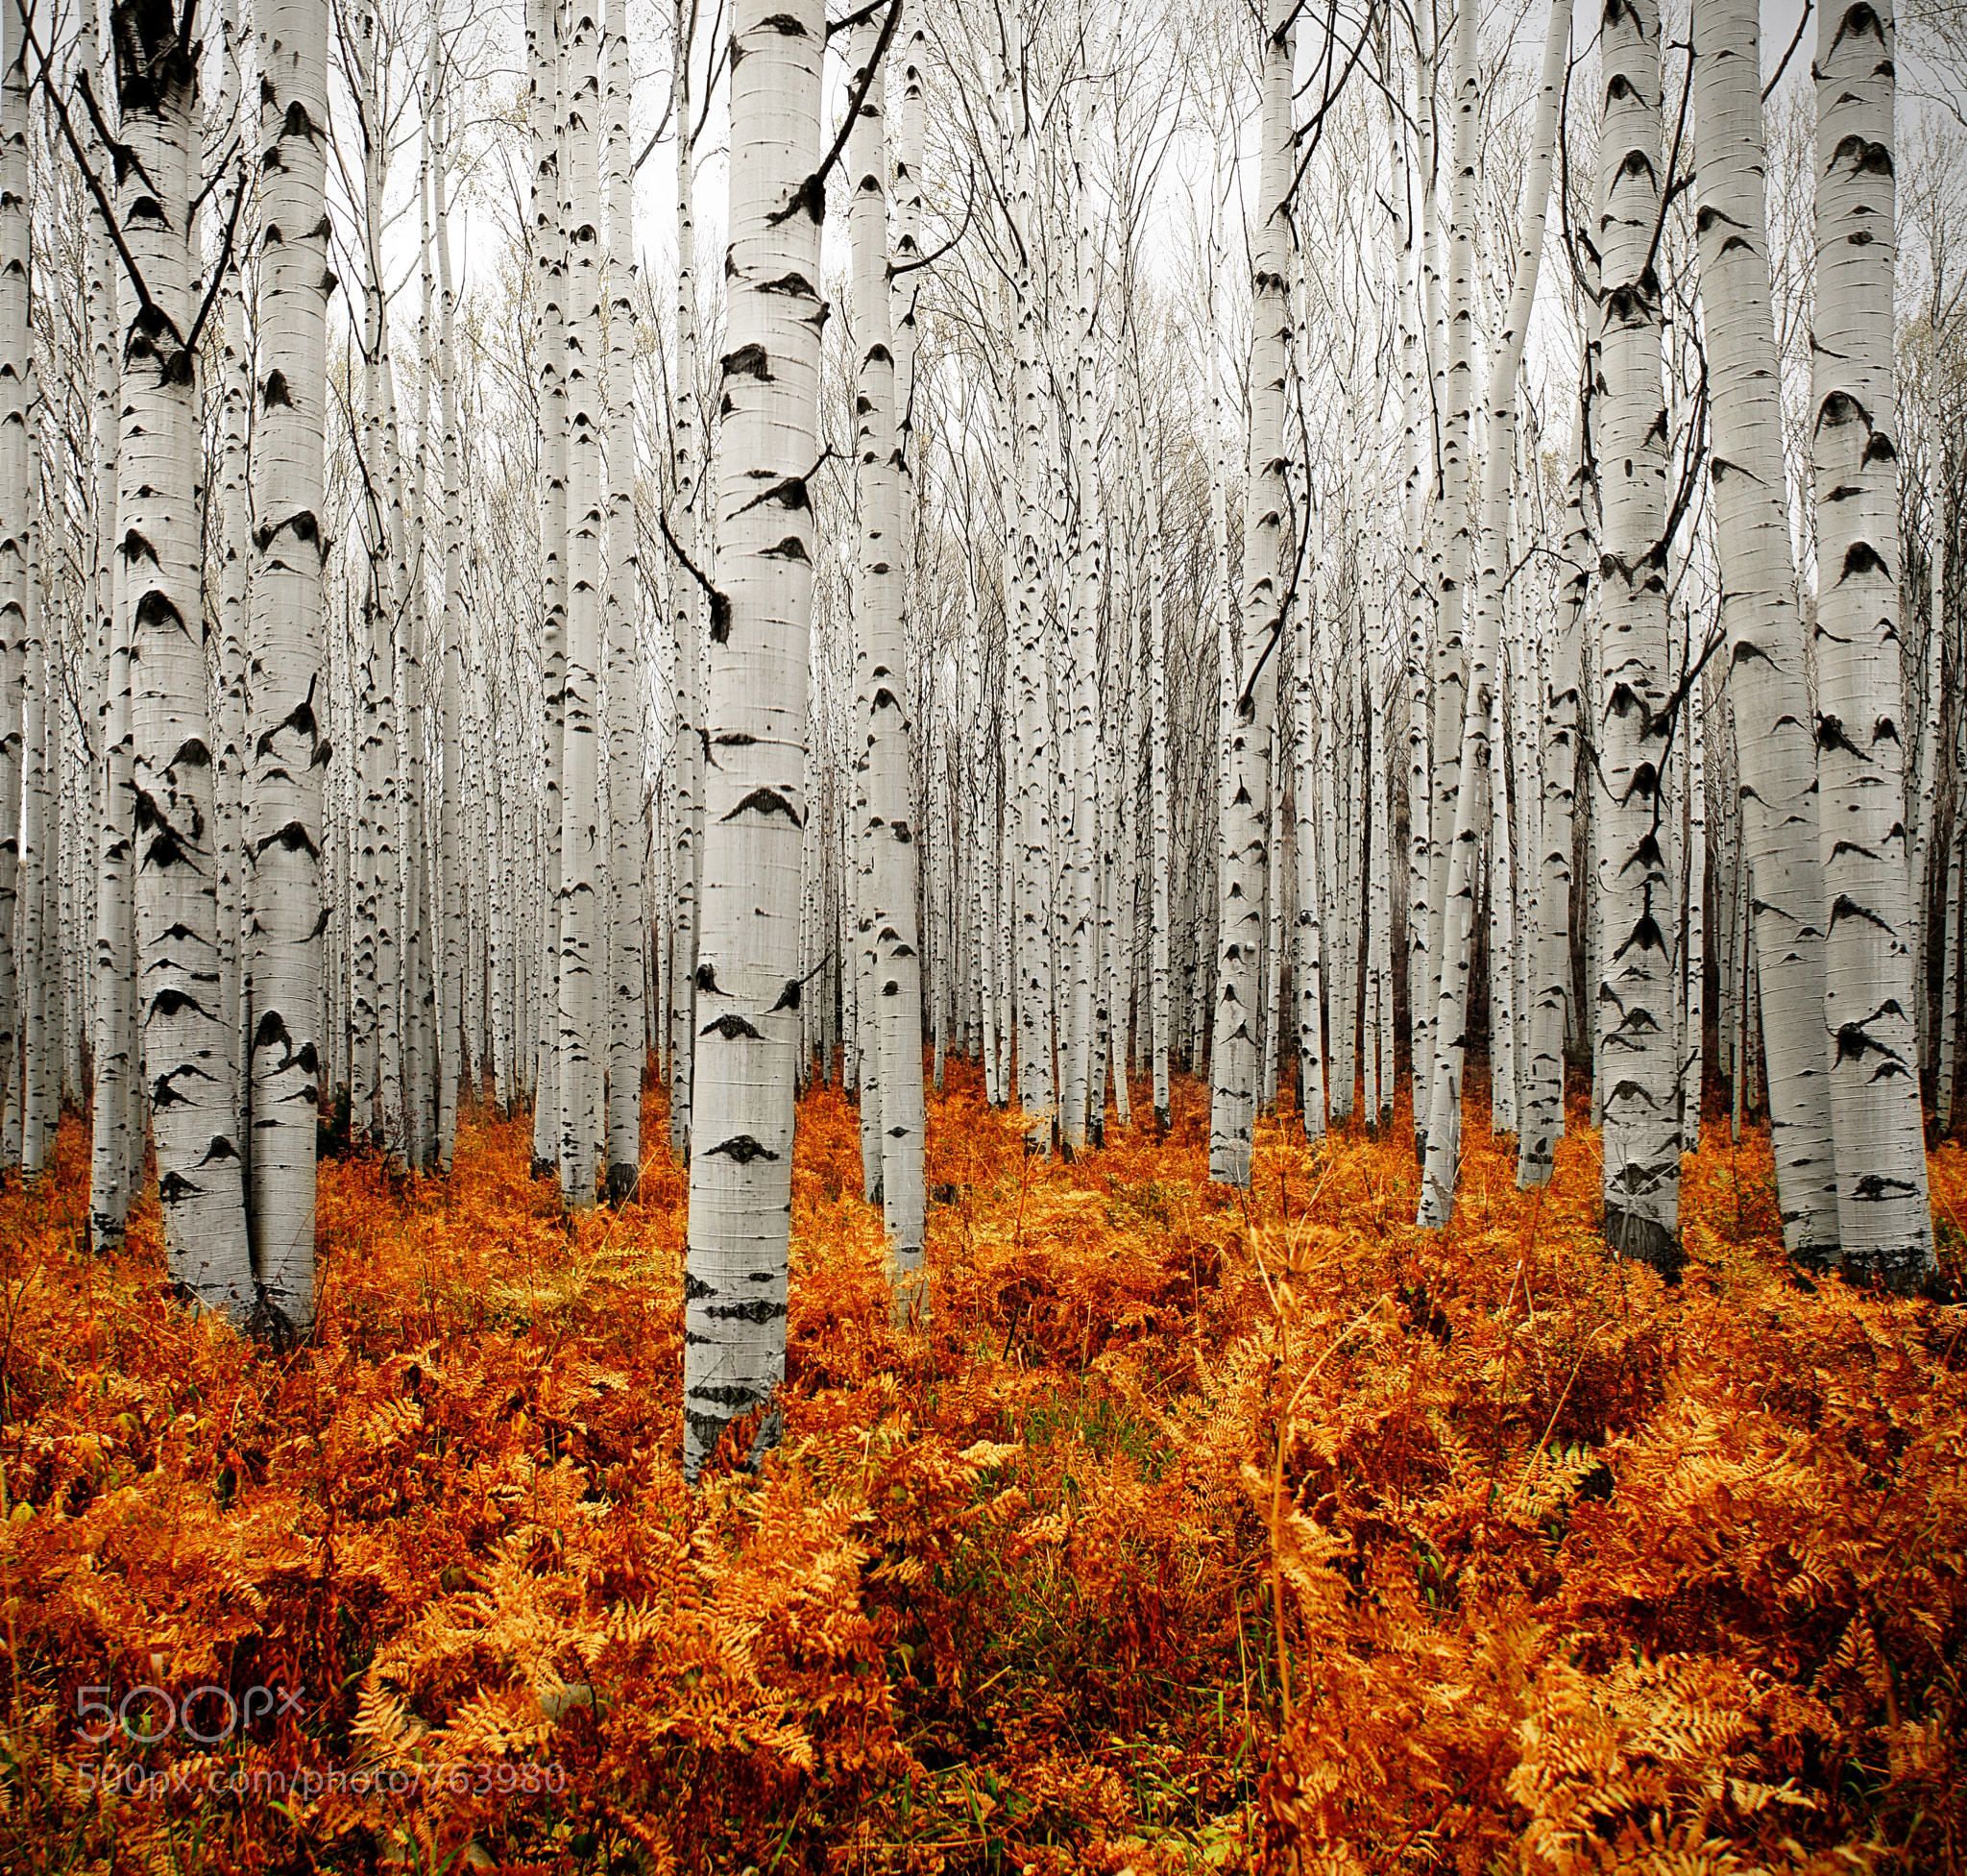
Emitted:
pixel 1451 705
pixel 1541 1126
pixel 1244 856
pixel 1307 964
pixel 185 1047
pixel 1883 1222
pixel 626 1052
pixel 1636 896
pixel 16 502
pixel 1475 763
pixel 290 747
pixel 1033 884
pixel 1766 675
pixel 116 1149
pixel 1163 1040
pixel 451 939
pixel 547 115
pixel 890 839
pixel 741 1168
pixel 684 615
pixel 582 968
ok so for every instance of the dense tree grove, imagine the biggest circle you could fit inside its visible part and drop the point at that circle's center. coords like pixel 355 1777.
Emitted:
pixel 1331 548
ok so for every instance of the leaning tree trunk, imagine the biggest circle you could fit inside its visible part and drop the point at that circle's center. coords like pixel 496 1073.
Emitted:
pixel 184 1042
pixel 877 601
pixel 290 740
pixel 1641 1120
pixel 1245 856
pixel 1883 1222
pixel 1766 685
pixel 740 1163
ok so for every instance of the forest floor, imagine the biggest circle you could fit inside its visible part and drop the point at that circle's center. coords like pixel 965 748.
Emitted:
pixel 1577 1572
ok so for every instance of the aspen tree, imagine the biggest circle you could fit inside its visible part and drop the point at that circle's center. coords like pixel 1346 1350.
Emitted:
pixel 1032 999
pixel 236 560
pixel 685 611
pixel 17 361
pixel 625 978
pixel 1162 1041
pixel 1475 762
pixel 546 117
pixel 1457 388
pixel 37 949
pixel 1767 692
pixel 740 1163
pixel 1541 1126
pixel 1884 1224
pixel 889 840
pixel 1307 963
pixel 184 1044
pixel 449 950
pixel 1079 1093
pixel 1641 1140
pixel 581 969
pixel 116 1152
pixel 289 741
pixel 1245 861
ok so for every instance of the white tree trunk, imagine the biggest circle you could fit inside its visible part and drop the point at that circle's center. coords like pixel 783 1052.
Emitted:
pixel 685 614
pixel 1244 850
pixel 290 737
pixel 1883 1222
pixel 16 507
pixel 626 1052
pixel 185 1047
pixel 1636 896
pixel 1475 763
pixel 890 843
pixel 1766 683
pixel 582 968
pixel 741 1166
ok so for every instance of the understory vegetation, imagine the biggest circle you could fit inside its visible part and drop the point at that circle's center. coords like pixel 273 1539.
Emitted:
pixel 1578 1571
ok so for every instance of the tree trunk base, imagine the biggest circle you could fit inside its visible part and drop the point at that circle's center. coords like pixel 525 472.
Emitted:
pixel 1632 1235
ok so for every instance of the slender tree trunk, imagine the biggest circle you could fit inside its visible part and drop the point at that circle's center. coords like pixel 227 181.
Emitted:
pixel 740 1167
pixel 451 947
pixel 626 1052
pixel 1245 856
pixel 116 1154
pixel 1883 1222
pixel 550 257
pixel 1766 685
pixel 1475 764
pixel 16 507
pixel 185 1045
pixel 890 844
pixel 582 968
pixel 290 741
pixel 685 613
pixel 1642 1139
